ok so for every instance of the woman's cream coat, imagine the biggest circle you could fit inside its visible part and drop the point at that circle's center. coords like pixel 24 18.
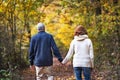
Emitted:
pixel 82 48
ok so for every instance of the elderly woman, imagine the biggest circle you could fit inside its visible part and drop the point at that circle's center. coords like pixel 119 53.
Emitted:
pixel 82 48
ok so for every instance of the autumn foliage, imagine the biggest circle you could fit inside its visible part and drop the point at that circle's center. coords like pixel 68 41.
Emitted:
pixel 18 19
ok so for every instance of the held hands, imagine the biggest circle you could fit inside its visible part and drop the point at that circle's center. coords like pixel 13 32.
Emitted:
pixel 32 67
pixel 67 63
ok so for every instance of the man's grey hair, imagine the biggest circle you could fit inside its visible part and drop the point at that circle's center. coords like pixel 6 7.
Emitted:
pixel 40 26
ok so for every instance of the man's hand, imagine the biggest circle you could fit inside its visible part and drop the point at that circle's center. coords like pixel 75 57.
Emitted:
pixel 32 67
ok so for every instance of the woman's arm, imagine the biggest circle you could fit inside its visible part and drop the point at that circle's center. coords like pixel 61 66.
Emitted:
pixel 69 54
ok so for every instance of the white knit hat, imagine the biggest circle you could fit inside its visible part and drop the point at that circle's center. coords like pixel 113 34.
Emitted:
pixel 40 26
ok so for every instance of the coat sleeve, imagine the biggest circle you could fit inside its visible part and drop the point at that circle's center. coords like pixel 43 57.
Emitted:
pixel 91 54
pixel 69 54
pixel 56 50
pixel 31 51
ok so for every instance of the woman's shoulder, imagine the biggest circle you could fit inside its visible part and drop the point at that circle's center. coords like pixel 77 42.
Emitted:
pixel 88 41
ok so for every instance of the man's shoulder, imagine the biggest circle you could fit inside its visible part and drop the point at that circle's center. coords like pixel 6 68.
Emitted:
pixel 34 35
pixel 48 34
pixel 44 34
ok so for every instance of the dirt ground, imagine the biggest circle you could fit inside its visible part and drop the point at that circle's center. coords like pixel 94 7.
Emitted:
pixel 60 72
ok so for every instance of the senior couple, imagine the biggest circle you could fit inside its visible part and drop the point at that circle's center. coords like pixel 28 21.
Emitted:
pixel 43 46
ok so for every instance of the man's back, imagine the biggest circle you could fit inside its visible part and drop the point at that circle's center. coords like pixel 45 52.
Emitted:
pixel 42 45
pixel 40 53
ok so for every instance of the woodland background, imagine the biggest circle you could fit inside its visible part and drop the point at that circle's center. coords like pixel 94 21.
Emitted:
pixel 18 19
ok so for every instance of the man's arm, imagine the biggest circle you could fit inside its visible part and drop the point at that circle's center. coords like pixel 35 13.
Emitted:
pixel 31 51
pixel 55 50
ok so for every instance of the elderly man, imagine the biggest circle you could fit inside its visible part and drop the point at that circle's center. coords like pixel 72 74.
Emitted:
pixel 42 46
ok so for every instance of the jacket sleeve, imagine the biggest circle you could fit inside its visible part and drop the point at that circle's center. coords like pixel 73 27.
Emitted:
pixel 56 50
pixel 69 54
pixel 31 51
pixel 91 54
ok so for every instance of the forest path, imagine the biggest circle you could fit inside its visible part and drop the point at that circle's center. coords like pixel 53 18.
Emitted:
pixel 61 72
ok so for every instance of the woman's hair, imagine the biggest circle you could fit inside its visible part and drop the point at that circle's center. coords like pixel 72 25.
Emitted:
pixel 80 30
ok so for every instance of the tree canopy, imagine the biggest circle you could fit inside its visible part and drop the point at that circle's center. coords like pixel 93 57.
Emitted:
pixel 101 18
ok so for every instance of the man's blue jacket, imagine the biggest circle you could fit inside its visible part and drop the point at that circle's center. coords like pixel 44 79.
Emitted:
pixel 42 47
